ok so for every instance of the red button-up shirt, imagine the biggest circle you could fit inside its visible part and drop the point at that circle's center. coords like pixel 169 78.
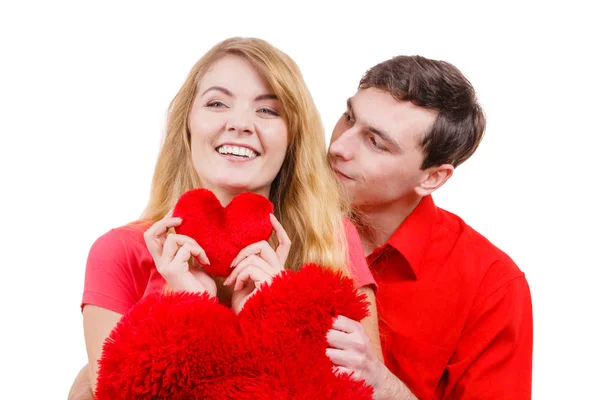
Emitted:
pixel 454 311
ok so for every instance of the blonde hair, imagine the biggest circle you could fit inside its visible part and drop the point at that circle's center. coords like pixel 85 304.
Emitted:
pixel 304 193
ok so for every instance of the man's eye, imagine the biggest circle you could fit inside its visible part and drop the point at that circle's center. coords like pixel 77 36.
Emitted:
pixel 376 143
pixel 348 117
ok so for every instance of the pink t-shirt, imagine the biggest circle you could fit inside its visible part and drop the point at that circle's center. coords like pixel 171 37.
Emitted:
pixel 120 270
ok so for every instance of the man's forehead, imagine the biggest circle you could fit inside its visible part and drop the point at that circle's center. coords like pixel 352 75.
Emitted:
pixel 379 108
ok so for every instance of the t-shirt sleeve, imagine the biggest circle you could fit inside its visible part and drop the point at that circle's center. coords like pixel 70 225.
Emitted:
pixel 358 267
pixel 113 276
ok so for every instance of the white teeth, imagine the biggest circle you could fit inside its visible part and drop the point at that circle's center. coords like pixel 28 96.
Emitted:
pixel 238 151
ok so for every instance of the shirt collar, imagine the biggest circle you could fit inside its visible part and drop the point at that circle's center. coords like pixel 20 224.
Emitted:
pixel 413 236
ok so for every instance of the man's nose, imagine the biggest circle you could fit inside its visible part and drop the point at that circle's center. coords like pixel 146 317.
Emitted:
pixel 344 145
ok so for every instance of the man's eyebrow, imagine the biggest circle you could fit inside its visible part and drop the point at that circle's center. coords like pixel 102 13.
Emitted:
pixel 349 106
pixel 385 136
pixel 219 89
pixel 379 132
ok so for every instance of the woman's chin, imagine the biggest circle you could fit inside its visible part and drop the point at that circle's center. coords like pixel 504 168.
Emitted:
pixel 235 187
pixel 225 187
pixel 236 184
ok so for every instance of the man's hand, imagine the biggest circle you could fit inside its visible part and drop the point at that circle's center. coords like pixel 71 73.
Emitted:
pixel 351 351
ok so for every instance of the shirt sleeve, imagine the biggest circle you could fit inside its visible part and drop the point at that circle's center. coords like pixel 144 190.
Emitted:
pixel 493 356
pixel 113 277
pixel 357 263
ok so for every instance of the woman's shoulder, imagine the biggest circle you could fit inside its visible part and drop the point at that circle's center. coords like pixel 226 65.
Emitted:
pixel 350 228
pixel 128 235
pixel 357 262
pixel 133 229
pixel 123 244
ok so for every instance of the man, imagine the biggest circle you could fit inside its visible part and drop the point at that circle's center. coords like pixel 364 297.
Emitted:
pixel 454 311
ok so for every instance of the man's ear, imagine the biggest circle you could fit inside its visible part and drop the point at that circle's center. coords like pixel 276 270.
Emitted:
pixel 434 178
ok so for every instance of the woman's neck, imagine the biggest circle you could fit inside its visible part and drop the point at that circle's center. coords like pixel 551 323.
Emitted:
pixel 225 195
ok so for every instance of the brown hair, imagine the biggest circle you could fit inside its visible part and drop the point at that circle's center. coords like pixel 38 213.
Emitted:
pixel 440 86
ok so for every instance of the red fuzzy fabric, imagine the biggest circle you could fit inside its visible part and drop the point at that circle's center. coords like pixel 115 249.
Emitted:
pixel 223 231
pixel 187 346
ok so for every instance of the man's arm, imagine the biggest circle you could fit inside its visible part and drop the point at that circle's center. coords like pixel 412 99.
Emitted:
pixel 351 350
pixel 493 357
pixel 390 387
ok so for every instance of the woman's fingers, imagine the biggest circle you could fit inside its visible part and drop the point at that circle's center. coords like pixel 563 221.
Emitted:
pixel 156 234
pixel 283 240
pixel 261 249
pixel 175 241
pixel 252 273
pixel 255 261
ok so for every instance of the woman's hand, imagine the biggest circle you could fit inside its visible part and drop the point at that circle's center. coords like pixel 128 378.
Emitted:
pixel 172 252
pixel 257 264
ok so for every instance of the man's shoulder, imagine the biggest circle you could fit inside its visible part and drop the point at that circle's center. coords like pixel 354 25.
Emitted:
pixel 488 271
pixel 475 243
pixel 488 258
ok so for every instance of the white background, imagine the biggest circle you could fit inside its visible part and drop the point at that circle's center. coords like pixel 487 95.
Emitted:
pixel 83 93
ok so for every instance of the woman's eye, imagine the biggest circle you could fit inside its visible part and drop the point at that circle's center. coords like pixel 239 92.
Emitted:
pixel 215 104
pixel 268 111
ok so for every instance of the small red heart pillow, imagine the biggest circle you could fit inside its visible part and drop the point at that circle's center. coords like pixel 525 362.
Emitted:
pixel 223 231
pixel 188 346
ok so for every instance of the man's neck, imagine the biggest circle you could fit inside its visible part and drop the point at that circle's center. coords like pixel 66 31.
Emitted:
pixel 378 223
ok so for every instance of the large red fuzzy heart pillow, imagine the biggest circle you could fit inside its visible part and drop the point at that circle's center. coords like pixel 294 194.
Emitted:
pixel 188 346
pixel 223 231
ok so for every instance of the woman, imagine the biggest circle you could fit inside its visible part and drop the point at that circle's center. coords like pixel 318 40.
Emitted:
pixel 243 120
